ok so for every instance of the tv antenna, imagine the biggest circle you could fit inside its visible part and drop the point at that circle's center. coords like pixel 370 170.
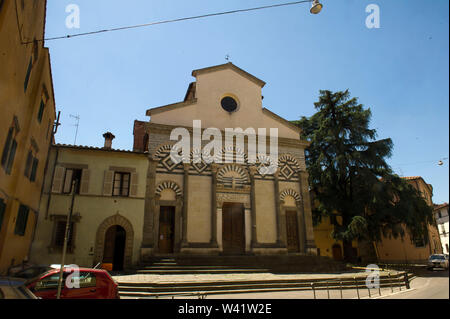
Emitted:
pixel 77 124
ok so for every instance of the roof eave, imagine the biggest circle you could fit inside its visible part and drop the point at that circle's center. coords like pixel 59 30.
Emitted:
pixel 244 73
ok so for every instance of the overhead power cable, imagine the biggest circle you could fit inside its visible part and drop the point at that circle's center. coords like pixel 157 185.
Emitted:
pixel 172 20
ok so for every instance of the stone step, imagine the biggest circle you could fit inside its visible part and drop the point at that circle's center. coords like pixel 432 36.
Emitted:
pixel 181 267
pixel 201 270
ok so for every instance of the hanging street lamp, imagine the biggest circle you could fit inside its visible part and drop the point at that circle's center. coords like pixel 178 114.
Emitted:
pixel 316 7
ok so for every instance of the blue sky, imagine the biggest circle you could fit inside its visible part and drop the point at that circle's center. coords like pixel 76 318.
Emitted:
pixel 400 71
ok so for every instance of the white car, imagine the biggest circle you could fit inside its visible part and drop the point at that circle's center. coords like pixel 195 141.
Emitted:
pixel 438 261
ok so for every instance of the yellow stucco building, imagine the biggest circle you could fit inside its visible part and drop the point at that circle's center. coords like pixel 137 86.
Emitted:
pixel 388 250
pixel 27 114
pixel 398 250
pixel 326 245
pixel 107 211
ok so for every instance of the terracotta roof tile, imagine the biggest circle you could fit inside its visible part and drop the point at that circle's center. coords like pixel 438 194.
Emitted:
pixel 439 206
pixel 82 147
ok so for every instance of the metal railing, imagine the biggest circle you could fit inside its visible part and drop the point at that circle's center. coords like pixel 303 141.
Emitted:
pixel 354 287
pixel 389 282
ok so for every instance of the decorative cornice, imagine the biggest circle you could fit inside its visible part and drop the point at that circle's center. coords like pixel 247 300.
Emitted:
pixel 244 190
pixel 281 120
pixel 167 129
pixel 169 107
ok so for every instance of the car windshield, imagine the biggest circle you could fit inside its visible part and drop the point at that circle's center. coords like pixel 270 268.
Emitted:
pixel 31 272
pixel 437 257
pixel 33 279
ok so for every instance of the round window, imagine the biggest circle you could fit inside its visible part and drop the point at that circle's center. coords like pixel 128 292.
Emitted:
pixel 229 104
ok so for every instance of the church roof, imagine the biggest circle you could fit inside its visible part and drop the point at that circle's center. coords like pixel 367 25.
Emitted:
pixel 230 65
pixel 189 98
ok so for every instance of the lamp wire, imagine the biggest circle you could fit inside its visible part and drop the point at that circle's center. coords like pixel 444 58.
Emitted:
pixel 171 21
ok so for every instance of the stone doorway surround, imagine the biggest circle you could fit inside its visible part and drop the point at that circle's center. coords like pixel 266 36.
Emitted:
pixel 290 200
pixel 176 202
pixel 114 220
pixel 243 198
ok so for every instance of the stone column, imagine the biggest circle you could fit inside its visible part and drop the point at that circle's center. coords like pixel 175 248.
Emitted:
pixel 307 214
pixel 253 206
pixel 277 205
pixel 149 206
pixel 301 226
pixel 214 205
pixel 157 210
pixel 185 203
pixel 178 233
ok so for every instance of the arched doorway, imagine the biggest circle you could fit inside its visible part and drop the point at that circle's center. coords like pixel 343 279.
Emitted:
pixel 102 240
pixel 114 251
pixel 337 252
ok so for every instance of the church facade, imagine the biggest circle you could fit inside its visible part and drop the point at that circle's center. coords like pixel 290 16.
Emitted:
pixel 223 207
pixel 132 205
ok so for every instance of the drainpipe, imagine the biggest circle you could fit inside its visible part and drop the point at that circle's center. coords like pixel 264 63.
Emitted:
pixel 55 129
pixel 51 183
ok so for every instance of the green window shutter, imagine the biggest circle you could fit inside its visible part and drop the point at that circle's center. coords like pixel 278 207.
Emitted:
pixel 41 111
pixel 34 169
pixel 21 221
pixel 7 147
pixel 27 77
pixel 28 164
pixel 2 212
pixel 12 154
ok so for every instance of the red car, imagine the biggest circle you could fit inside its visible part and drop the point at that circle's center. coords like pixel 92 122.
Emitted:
pixel 93 284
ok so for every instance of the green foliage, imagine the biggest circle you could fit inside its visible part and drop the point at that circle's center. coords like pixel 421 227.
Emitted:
pixel 350 178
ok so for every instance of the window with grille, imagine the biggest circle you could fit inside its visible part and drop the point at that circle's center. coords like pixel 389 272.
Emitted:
pixel 28 164
pixel 419 242
pixel 121 185
pixel 2 211
pixel 60 233
pixel 41 111
pixel 31 166
pixel 27 76
pixel 34 169
pixel 9 151
pixel 44 100
pixel 21 221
